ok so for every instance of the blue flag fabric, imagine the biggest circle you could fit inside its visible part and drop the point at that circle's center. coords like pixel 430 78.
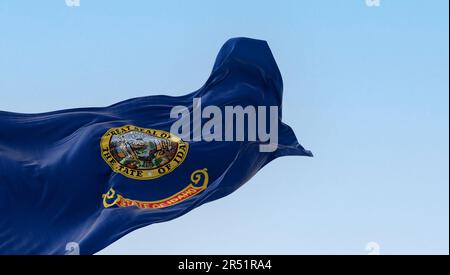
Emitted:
pixel 77 180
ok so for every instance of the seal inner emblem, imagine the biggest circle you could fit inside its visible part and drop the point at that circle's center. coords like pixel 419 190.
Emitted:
pixel 142 153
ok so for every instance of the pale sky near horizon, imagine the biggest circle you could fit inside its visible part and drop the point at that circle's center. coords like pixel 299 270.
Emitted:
pixel 365 88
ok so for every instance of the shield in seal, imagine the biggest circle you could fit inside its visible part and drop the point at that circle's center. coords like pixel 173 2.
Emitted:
pixel 142 153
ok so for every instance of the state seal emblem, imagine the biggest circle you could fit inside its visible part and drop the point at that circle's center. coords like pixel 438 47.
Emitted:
pixel 142 153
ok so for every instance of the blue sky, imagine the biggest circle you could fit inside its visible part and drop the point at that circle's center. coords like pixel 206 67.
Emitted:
pixel 366 89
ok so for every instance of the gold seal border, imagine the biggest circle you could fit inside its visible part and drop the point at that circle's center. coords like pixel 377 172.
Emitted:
pixel 147 174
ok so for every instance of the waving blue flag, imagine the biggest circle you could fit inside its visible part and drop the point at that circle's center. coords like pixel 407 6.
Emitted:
pixel 74 181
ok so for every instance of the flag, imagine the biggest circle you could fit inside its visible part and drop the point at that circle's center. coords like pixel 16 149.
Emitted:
pixel 74 181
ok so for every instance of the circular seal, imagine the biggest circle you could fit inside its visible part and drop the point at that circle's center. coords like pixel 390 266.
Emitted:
pixel 142 153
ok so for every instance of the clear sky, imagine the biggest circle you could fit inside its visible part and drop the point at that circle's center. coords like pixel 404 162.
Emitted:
pixel 365 88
